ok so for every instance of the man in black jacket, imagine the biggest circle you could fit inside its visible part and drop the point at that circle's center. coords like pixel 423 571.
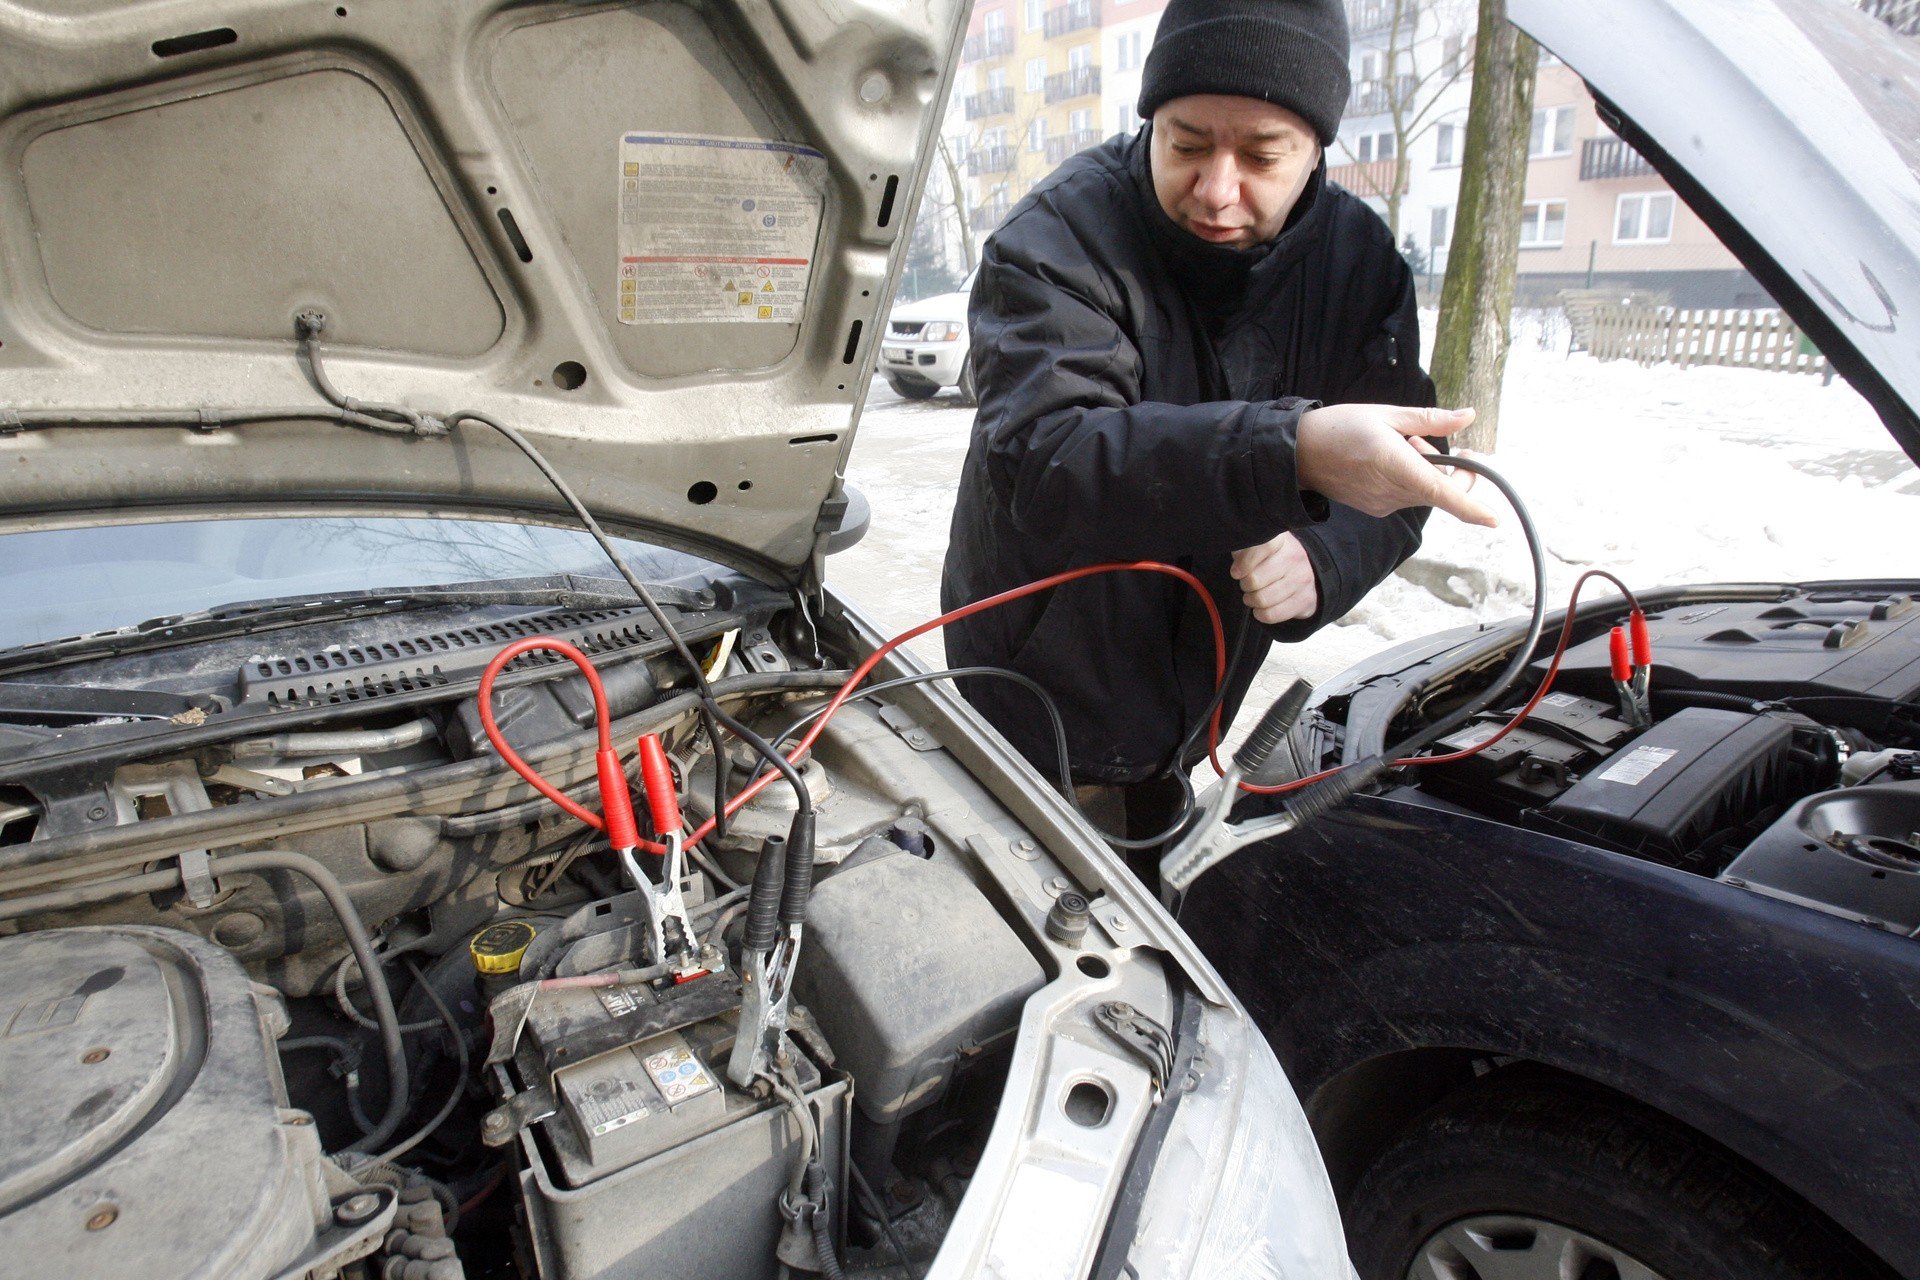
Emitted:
pixel 1155 329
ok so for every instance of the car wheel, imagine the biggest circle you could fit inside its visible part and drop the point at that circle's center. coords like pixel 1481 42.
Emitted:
pixel 912 390
pixel 1524 1179
pixel 967 395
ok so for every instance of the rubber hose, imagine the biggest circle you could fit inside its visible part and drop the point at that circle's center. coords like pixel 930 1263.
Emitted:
pixel 362 946
pixel 85 895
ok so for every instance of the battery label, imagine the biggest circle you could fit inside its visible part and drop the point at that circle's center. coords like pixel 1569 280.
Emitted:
pixel 1559 700
pixel 716 229
pixel 1636 766
pixel 610 1102
pixel 678 1075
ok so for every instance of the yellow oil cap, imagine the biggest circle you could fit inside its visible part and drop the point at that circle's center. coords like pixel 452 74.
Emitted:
pixel 497 948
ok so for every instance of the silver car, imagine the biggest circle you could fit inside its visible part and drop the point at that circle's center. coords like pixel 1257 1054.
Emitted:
pixel 373 374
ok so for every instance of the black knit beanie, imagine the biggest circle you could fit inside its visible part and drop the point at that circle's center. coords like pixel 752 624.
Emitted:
pixel 1292 53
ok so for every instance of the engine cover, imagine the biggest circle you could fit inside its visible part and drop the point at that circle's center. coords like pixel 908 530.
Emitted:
pixel 142 1132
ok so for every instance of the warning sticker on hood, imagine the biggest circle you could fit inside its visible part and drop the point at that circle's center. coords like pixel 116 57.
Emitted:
pixel 716 229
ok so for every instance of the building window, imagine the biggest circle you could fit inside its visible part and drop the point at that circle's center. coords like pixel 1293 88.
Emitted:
pixel 996 79
pixel 1446 145
pixel 1126 52
pixel 1644 218
pixel 1552 132
pixel 1081 120
pixel 1032 14
pixel 1451 59
pixel 1543 224
pixel 1369 66
pixel 1036 74
pixel 1080 57
pixel 1125 118
pixel 994 24
pixel 1037 135
pixel 1369 147
pixel 1440 228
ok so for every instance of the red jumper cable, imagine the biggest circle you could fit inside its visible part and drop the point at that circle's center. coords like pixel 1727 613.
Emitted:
pixel 666 907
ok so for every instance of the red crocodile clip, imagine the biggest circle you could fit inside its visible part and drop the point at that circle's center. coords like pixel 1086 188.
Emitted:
pixel 1617 650
pixel 656 778
pixel 1642 639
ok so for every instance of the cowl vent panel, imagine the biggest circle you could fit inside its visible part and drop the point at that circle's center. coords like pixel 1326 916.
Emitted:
pixel 364 672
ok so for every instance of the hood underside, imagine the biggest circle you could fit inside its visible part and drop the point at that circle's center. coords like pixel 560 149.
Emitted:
pixel 1793 128
pixel 655 237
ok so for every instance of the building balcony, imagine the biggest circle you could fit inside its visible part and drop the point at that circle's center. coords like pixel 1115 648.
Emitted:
pixel 988 44
pixel 1602 158
pixel 1377 97
pixel 1060 148
pixel 989 160
pixel 1375 17
pixel 994 102
pixel 1076 16
pixel 1374 178
pixel 1080 82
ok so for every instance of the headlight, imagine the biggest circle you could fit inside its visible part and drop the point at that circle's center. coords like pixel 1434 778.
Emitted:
pixel 1238 1191
pixel 940 332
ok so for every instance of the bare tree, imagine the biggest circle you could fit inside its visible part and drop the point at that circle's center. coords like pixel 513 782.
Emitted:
pixel 949 197
pixel 1476 302
pixel 1412 83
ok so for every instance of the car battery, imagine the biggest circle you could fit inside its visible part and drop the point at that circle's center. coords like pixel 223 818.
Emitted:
pixel 1561 738
pixel 634 1133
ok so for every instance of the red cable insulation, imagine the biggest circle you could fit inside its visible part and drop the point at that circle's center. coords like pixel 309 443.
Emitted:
pixel 872 660
pixel 622 833
pixel 1519 717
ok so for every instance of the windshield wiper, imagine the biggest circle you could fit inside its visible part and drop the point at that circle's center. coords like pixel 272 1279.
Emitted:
pixel 560 591
pixel 65 704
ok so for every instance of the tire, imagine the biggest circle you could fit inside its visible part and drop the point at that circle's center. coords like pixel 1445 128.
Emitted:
pixel 913 390
pixel 1524 1176
pixel 965 385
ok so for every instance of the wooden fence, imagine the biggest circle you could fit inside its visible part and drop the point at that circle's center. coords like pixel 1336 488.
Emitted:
pixel 1686 337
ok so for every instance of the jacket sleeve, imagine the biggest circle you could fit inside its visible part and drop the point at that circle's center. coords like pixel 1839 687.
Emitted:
pixel 1353 553
pixel 1072 451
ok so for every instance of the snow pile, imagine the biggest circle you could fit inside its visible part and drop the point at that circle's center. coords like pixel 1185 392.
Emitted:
pixel 1662 475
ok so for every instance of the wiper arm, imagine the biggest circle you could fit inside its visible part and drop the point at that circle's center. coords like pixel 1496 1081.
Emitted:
pixel 562 591
pixel 60 704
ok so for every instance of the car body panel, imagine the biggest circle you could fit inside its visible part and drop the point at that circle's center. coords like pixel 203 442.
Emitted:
pixel 444 180
pixel 1784 1034
pixel 1796 139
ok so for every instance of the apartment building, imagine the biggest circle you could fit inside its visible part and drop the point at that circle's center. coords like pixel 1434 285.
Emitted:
pixel 1595 214
pixel 1038 81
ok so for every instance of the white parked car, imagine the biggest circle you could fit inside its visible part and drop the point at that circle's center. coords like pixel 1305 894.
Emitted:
pixel 926 346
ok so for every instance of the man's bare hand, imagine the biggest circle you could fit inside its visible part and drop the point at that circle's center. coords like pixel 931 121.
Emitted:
pixel 1277 580
pixel 1369 457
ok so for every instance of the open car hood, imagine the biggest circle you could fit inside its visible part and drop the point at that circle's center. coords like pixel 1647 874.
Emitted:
pixel 1793 128
pixel 657 238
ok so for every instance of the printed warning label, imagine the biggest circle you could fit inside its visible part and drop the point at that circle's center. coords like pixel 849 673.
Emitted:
pixel 1636 766
pixel 1559 700
pixel 716 229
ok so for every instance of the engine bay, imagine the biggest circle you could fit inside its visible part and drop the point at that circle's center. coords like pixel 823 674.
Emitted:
pixel 182 893
pixel 1776 746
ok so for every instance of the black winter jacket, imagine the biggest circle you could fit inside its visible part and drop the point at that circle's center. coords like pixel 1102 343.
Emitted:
pixel 1140 391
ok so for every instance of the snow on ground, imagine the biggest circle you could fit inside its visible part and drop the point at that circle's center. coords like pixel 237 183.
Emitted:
pixel 1661 475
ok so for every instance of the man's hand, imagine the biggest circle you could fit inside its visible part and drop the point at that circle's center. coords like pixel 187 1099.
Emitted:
pixel 1277 580
pixel 1368 456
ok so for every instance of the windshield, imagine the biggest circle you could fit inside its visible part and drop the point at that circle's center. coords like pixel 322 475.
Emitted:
pixel 72 581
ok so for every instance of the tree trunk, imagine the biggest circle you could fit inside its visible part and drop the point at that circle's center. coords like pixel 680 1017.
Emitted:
pixel 961 204
pixel 1476 302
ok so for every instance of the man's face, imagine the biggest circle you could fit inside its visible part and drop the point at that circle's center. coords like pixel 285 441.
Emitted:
pixel 1230 169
